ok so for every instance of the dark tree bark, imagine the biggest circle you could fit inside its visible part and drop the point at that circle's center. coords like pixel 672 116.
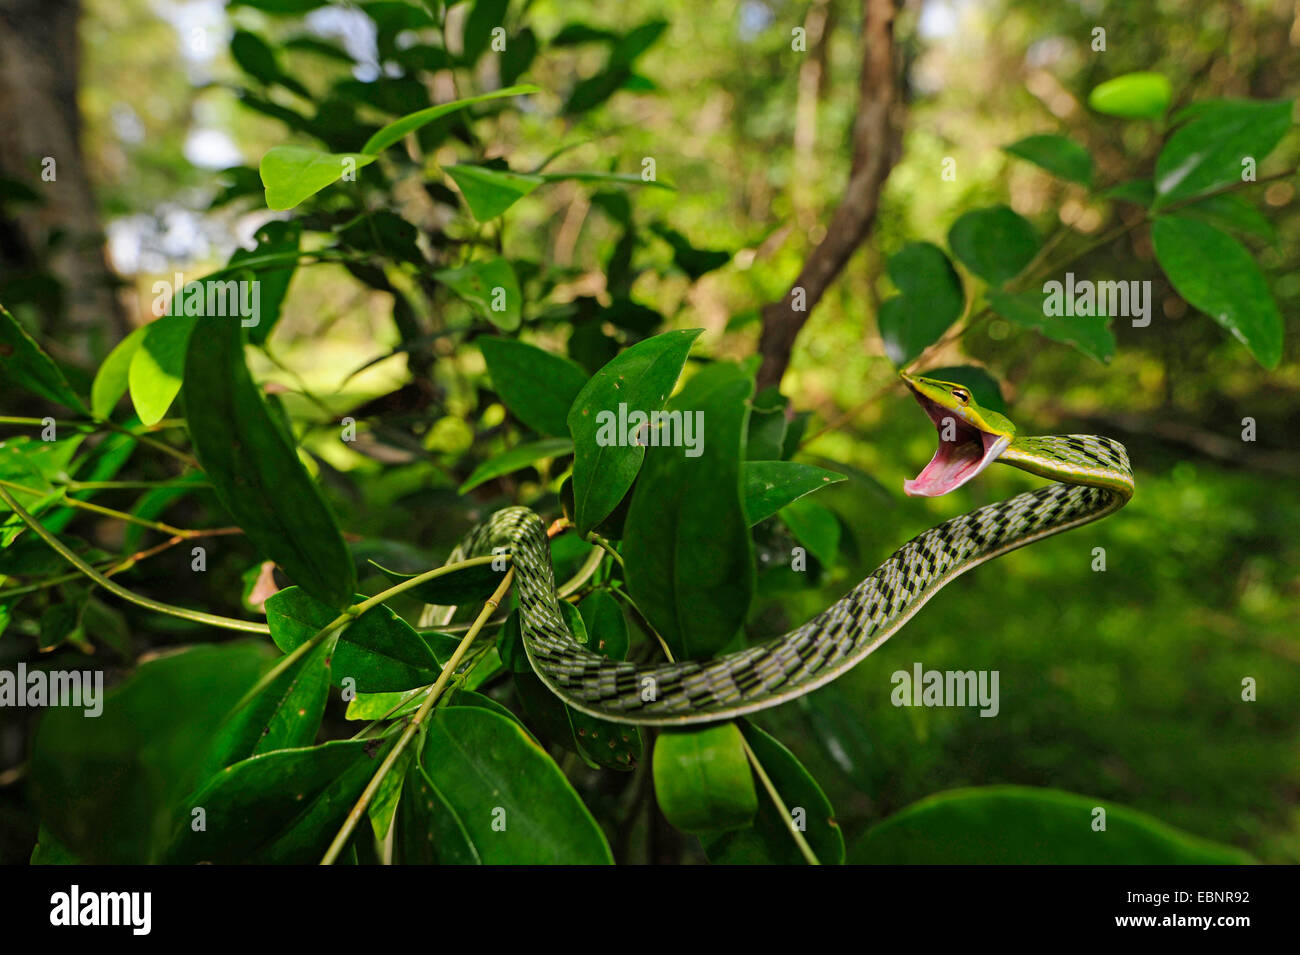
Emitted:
pixel 875 149
pixel 39 69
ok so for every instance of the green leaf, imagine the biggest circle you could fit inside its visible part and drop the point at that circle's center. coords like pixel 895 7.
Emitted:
pixel 484 16
pixel 383 805
pixel 1141 192
pixel 111 380
pixel 693 261
pixel 490 192
pixel 515 459
pixel 518 55
pixel 491 288
pixel 374 706
pixel 158 365
pixel 430 831
pixel 1207 153
pixel 109 787
pixel 254 468
pixel 932 299
pixel 1217 275
pixel 605 462
pixel 606 626
pixel 771 485
pixel 816 527
pixel 1228 212
pixel 514 804
pixel 768 426
pixel 285 714
pixel 1020 825
pixel 994 243
pixel 278 808
pixel 840 734
pixel 769 840
pixel 1059 155
pixel 983 386
pixel 256 58
pixel 537 386
pixel 380 651
pixel 274 239
pixel 291 174
pixel 702 779
pixel 1090 334
pixel 397 129
pixel 1133 96
pixel 24 363
pixel 695 587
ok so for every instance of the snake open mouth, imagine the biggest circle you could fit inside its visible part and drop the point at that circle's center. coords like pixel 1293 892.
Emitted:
pixel 955 461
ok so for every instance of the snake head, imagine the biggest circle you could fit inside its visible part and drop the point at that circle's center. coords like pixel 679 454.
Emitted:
pixel 970 437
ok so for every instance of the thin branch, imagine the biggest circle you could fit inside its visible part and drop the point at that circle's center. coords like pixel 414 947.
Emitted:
pixel 198 616
pixel 875 147
pixel 354 816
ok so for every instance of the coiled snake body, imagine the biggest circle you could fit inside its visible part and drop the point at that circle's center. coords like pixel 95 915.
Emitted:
pixel 1094 480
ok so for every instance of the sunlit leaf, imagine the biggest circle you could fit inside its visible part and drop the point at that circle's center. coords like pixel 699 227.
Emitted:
pixel 294 173
pixel 1133 95
pixel 395 130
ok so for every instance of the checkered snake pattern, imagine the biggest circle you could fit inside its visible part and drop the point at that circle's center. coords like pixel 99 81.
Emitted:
pixel 1096 480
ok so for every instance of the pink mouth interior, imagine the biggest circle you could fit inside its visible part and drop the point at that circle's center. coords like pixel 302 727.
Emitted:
pixel 955 462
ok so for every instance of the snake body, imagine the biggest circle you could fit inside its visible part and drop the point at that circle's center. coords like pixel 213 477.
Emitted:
pixel 1094 480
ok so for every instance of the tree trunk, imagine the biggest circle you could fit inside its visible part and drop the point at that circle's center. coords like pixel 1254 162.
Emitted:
pixel 61 234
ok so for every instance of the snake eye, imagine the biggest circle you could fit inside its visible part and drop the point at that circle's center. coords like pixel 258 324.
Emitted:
pixel 960 395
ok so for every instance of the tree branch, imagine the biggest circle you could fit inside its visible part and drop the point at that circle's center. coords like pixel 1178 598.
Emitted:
pixel 875 147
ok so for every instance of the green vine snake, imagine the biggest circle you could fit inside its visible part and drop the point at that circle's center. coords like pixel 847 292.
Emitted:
pixel 1092 480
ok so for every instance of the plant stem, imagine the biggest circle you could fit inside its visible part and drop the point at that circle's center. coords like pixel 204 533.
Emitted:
pixel 126 563
pixel 607 547
pixel 354 816
pixel 357 610
pixel 584 573
pixel 800 841
pixel 153 443
pixel 100 509
pixel 197 616
pixel 133 485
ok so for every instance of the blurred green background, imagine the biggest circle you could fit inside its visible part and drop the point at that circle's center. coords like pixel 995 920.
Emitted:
pixel 1123 685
